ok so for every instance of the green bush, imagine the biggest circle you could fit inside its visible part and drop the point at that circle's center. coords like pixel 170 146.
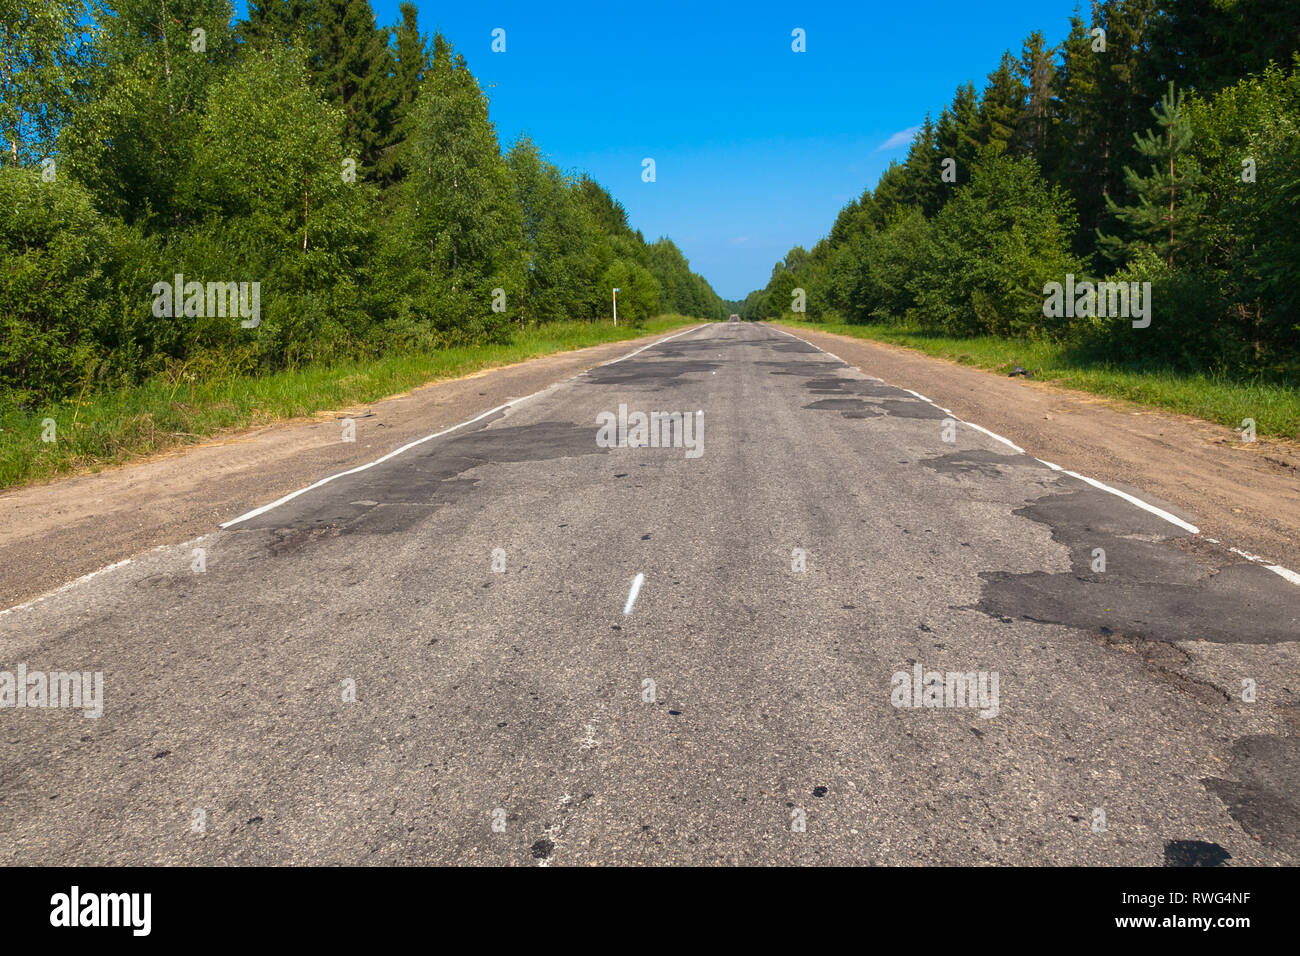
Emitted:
pixel 53 287
pixel 992 249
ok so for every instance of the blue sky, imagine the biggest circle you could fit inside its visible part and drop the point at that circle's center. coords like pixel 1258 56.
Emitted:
pixel 756 147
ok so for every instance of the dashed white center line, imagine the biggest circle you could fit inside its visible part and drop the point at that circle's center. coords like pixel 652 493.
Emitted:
pixel 631 595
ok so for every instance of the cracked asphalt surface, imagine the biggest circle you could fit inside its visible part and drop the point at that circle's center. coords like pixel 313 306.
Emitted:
pixel 351 681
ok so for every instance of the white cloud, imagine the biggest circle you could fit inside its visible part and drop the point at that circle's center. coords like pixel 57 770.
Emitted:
pixel 901 138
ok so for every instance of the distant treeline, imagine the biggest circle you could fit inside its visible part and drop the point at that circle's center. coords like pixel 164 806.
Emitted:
pixel 1160 143
pixel 351 170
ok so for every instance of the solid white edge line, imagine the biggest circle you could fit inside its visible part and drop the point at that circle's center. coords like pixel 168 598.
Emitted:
pixel 1285 573
pixel 420 441
pixel 1248 556
pixel 1172 519
pixel 1277 569
pixel 980 428
pixel 109 567
pixel 352 471
pixel 65 587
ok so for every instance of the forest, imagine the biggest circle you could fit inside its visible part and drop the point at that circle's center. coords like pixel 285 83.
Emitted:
pixel 348 173
pixel 1158 143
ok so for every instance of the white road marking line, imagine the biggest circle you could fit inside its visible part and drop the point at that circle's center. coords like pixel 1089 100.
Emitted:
pixel 420 441
pixel 980 428
pixel 640 350
pixel 378 461
pixel 631 595
pixel 1248 556
pixel 71 584
pixel 1285 573
pixel 1158 512
pixel 1172 519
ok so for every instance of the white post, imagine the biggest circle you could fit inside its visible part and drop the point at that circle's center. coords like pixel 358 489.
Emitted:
pixel 616 308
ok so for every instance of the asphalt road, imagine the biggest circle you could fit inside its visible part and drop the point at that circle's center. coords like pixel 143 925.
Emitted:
pixel 349 680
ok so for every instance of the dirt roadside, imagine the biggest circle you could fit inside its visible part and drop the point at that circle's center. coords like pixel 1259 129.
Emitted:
pixel 55 532
pixel 1247 495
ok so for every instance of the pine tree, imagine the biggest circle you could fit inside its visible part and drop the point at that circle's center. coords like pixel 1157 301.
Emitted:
pixel 1076 154
pixel 277 22
pixel 1169 205
pixel 891 192
pixel 1207 45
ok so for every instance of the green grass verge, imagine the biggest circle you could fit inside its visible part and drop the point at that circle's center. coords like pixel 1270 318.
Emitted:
pixel 116 426
pixel 1275 406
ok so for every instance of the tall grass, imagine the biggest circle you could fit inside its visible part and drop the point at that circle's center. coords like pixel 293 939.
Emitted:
pixel 93 430
pixel 1273 404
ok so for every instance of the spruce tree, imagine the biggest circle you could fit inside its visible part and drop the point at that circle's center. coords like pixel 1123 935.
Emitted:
pixel 956 134
pixel 353 66
pixel 1035 69
pixel 923 187
pixel 411 61
pixel 1001 107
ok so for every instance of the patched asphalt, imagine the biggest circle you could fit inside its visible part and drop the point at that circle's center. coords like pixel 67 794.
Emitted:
pixel 350 681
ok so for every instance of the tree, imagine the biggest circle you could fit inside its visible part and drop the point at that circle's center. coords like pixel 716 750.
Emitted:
pixel 411 60
pixel 1001 108
pixel 553 234
pixel 1035 70
pixel 132 126
pixel 52 284
pixel 993 248
pixel 353 66
pixel 43 59
pixel 638 291
pixel 1245 142
pixel 924 188
pixel 1206 45
pixel 463 223
pixel 1168 208
pixel 957 131
pixel 279 210
pixel 274 23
